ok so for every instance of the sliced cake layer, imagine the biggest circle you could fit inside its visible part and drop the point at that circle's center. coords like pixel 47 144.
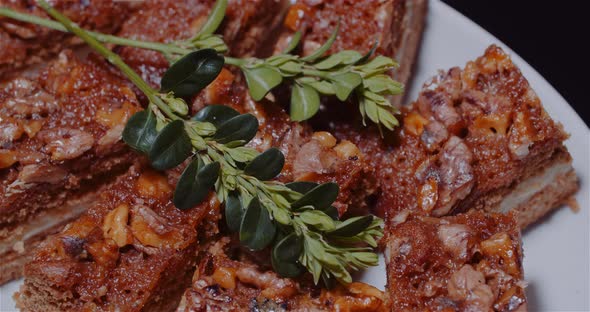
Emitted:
pixel 229 278
pixel 395 26
pixel 131 251
pixel 60 136
pixel 468 262
pixel 245 26
pixel 23 44
pixel 476 138
pixel 108 261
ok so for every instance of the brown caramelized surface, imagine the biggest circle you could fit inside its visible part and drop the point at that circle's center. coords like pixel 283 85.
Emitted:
pixel 468 138
pixel 22 43
pixel 59 129
pixel 362 24
pixel 246 21
pixel 130 247
pixel 469 262
pixel 231 279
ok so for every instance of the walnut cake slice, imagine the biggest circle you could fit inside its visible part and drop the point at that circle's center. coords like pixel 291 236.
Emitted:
pixel 468 262
pixel 394 25
pixel 61 140
pixel 229 278
pixel 476 138
pixel 105 259
pixel 23 44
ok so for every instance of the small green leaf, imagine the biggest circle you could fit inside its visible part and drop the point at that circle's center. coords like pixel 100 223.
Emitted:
pixel 192 72
pixel 214 42
pixel 293 43
pixel 140 131
pixel 318 219
pixel 261 80
pixel 291 68
pixel 320 197
pixel 177 105
pixel 278 60
pixel 325 47
pixel 266 165
pixel 171 147
pixel 345 83
pixel 239 128
pixel 387 119
pixel 383 84
pixel 332 212
pixel 372 110
pixel 322 86
pixel 285 255
pixel 215 114
pixel 352 226
pixel 346 57
pixel 380 62
pixel 234 212
pixel 257 229
pixel 305 102
pixel 195 183
pixel 301 186
pixel 368 55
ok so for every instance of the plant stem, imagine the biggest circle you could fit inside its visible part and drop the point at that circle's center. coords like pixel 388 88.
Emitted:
pixel 156 46
pixel 110 56
pixel 314 72
pixel 215 18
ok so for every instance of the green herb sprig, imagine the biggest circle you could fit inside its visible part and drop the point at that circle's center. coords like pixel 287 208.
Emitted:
pixel 296 219
pixel 344 74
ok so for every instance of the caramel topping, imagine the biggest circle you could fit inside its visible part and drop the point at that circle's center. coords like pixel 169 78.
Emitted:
pixel 152 184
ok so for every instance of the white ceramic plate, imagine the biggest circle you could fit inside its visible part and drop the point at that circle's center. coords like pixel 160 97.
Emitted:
pixel 556 250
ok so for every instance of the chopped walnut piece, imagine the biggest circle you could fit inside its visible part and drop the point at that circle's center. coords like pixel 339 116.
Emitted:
pixel 414 123
pixel 153 184
pixel 501 245
pixel 326 139
pixel 443 264
pixel 32 127
pixel 116 116
pixel 354 297
pixel 115 226
pixel 347 149
pixel 272 286
pixel 7 158
pixel 65 144
pixel 10 130
pixel 152 230
pixel 42 174
pixel 225 277
pixel 104 253
pixel 493 124
pixel 455 238
pixel 28 99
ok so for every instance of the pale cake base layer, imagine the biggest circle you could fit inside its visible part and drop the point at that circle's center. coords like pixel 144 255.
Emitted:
pixel 16 248
pixel 539 194
pixel 564 185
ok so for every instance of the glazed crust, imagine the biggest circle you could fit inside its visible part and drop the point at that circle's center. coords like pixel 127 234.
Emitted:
pixel 468 262
pixel 469 139
pixel 229 278
pixel 129 274
pixel 245 23
pixel 395 25
pixel 132 250
pixel 23 44
pixel 60 138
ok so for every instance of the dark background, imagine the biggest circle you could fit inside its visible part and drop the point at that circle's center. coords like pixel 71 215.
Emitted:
pixel 552 36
